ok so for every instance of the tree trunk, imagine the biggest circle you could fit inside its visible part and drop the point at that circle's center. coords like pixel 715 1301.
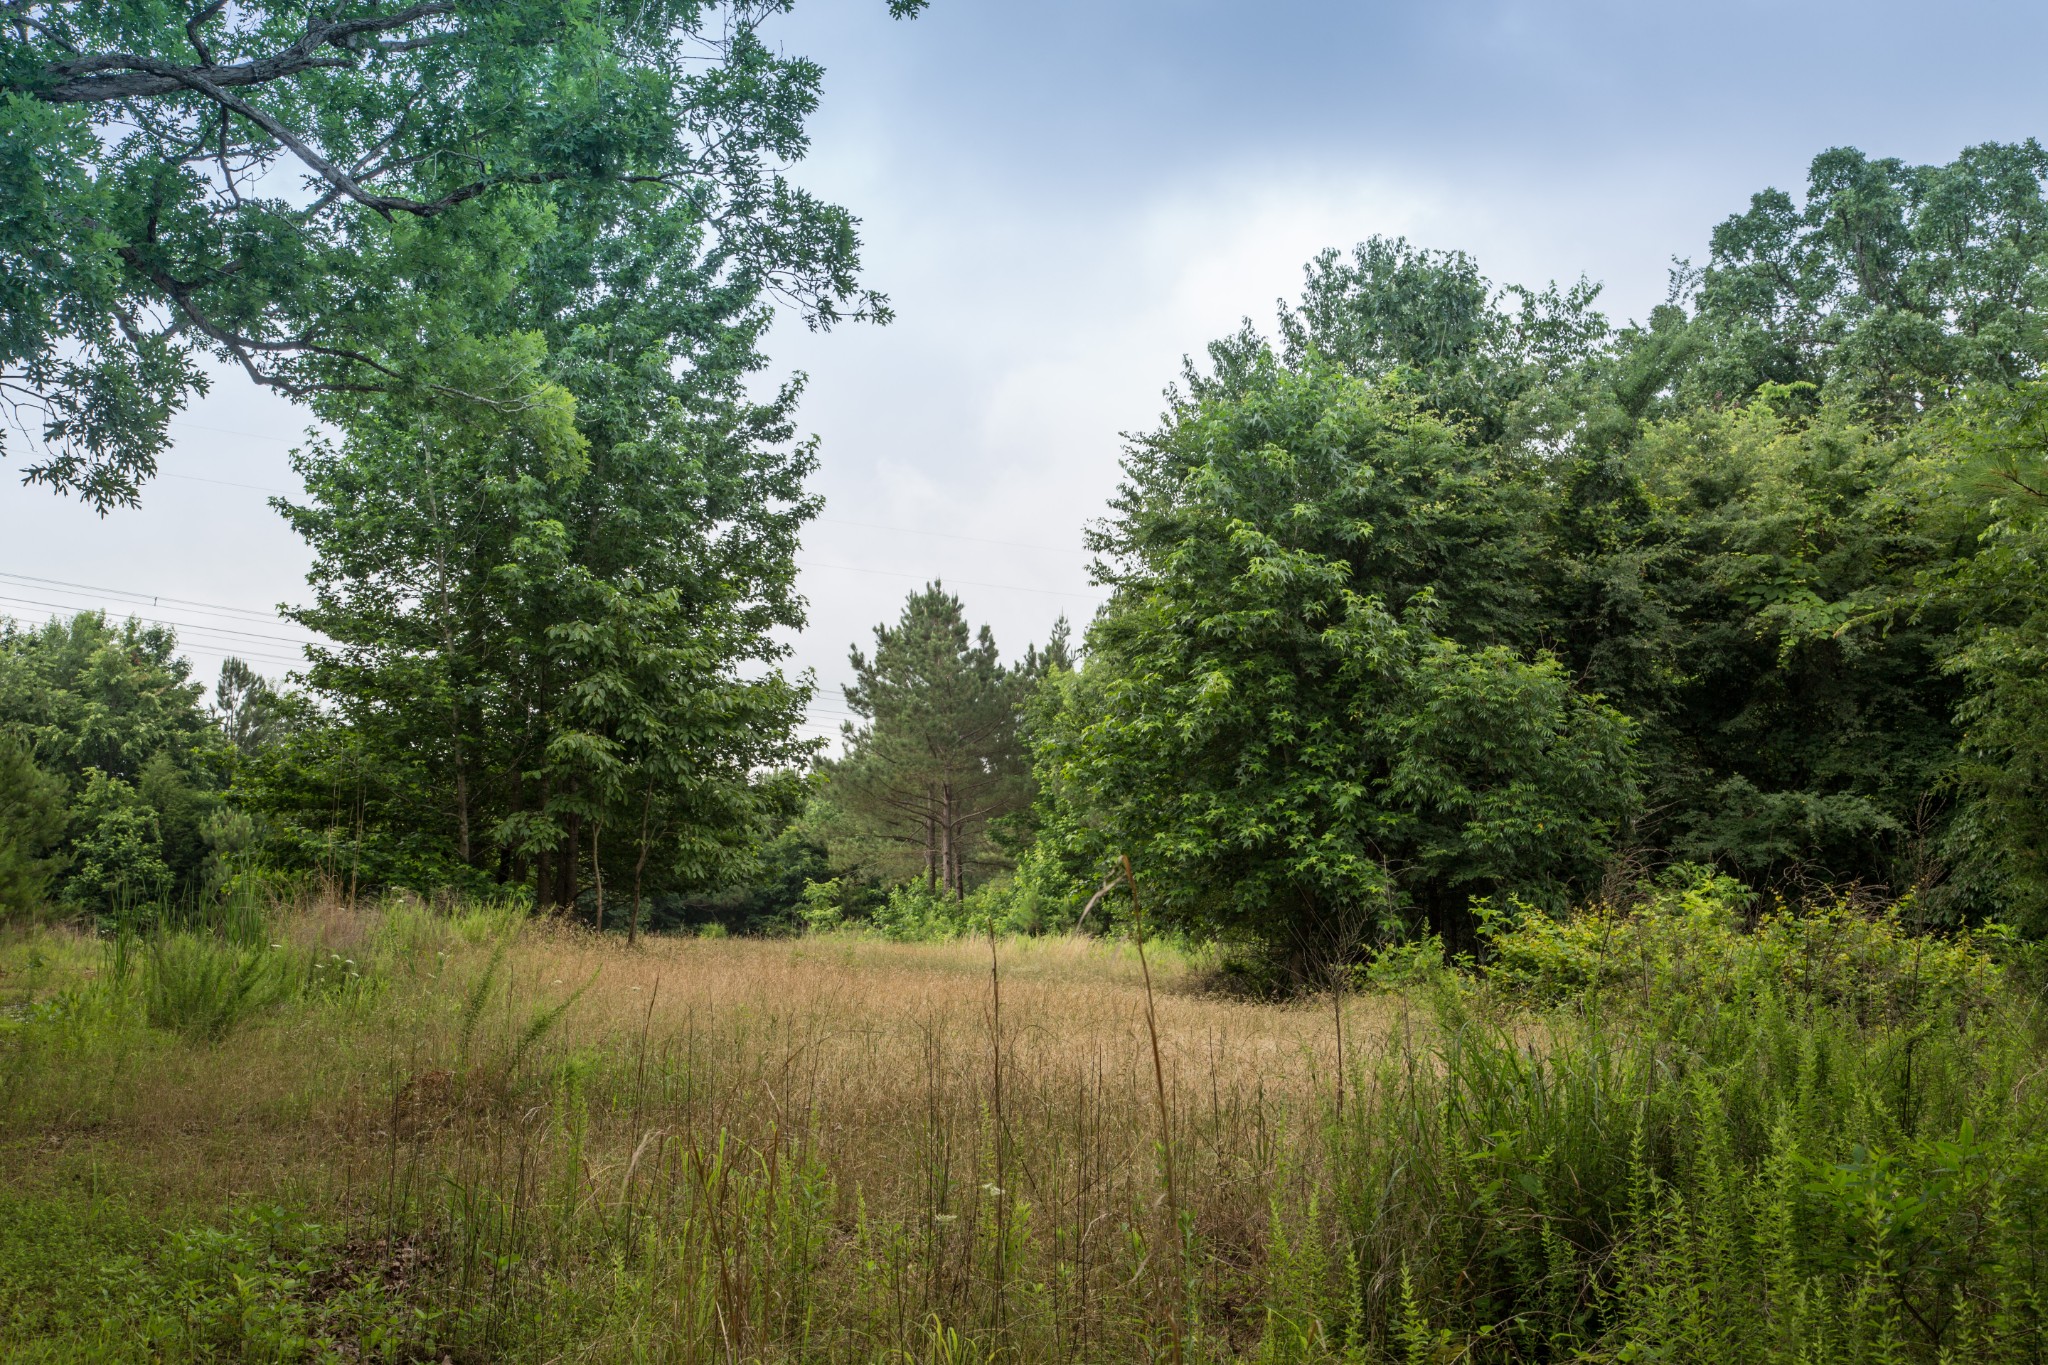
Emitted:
pixel 566 866
pixel 639 866
pixel 597 873
pixel 461 808
pixel 956 859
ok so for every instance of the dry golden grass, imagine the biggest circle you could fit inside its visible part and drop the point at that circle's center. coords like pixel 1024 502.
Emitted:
pixel 832 1093
pixel 461 1136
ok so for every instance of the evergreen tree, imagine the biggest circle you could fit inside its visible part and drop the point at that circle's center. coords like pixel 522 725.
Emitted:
pixel 248 710
pixel 937 757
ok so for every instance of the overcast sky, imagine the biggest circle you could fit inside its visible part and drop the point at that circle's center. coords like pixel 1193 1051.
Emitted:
pixel 1062 198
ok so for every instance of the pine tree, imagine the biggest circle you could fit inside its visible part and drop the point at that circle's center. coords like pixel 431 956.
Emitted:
pixel 936 757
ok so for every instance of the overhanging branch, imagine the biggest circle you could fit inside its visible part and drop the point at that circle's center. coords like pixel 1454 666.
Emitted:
pixel 126 75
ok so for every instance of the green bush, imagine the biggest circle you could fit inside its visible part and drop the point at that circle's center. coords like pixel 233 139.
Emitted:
pixel 201 987
pixel 914 914
pixel 1776 1163
pixel 118 848
pixel 822 905
pixel 1687 941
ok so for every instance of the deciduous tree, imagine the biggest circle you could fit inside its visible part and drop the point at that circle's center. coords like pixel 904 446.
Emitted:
pixel 324 197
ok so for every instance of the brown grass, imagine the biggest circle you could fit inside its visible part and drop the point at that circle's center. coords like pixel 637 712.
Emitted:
pixel 800 1131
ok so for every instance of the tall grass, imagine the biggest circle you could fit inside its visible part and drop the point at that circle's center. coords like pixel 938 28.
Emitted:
pixel 1703 1142
pixel 203 988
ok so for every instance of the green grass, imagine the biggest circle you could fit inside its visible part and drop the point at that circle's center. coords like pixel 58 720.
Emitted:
pixel 1669 1134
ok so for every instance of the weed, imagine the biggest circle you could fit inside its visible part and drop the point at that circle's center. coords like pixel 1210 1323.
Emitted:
pixel 202 987
pixel 1802 1140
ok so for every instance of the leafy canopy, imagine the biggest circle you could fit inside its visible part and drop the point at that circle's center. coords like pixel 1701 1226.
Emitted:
pixel 1294 717
pixel 326 197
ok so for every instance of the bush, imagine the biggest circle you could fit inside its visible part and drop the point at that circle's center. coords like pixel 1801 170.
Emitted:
pixel 821 907
pixel 117 847
pixel 1817 1140
pixel 203 988
pixel 914 914
pixel 1687 942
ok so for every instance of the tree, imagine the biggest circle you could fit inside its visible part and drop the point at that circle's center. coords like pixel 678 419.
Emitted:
pixel 1300 712
pixel 32 816
pixel 1996 471
pixel 661 744
pixel 118 845
pixel 936 758
pixel 109 712
pixel 544 621
pixel 245 706
pixel 1740 582
pixel 1892 287
pixel 1481 358
pixel 327 198
pixel 86 693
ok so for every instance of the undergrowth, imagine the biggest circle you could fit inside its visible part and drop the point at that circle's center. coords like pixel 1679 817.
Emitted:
pixel 1689 1130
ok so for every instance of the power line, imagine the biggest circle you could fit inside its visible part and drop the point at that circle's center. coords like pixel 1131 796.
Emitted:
pixel 150 597
pixel 822 521
pixel 963 582
pixel 230 431
pixel 942 535
pixel 230 483
pixel 163 621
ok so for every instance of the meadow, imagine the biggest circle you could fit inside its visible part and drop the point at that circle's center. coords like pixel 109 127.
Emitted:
pixel 415 1133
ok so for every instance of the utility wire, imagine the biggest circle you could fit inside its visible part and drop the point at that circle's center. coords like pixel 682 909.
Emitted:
pixel 148 598
pixel 163 621
pixel 963 582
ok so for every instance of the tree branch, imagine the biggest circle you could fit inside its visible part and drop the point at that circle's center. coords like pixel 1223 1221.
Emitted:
pixel 197 22
pixel 126 75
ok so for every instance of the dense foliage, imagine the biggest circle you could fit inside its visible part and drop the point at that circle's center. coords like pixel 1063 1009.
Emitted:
pixel 539 629
pixel 1451 591
pixel 935 764
pixel 1443 594
pixel 110 770
pixel 333 198
pixel 525 282
pixel 1294 714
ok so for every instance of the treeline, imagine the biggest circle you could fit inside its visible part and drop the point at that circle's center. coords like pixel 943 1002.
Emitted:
pixel 1446 595
pixel 1439 596
pixel 553 519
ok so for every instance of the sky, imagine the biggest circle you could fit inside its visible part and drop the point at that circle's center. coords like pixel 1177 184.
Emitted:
pixel 1064 198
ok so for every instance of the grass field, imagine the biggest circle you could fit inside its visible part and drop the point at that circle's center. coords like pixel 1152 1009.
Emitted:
pixel 407 1135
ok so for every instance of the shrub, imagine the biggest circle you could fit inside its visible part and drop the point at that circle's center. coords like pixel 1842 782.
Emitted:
pixel 1781 1158
pixel 118 848
pixel 201 987
pixel 820 907
pixel 914 914
pixel 1687 942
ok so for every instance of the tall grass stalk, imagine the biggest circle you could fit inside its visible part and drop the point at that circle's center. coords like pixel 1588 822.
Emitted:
pixel 1166 1162
pixel 1645 1139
